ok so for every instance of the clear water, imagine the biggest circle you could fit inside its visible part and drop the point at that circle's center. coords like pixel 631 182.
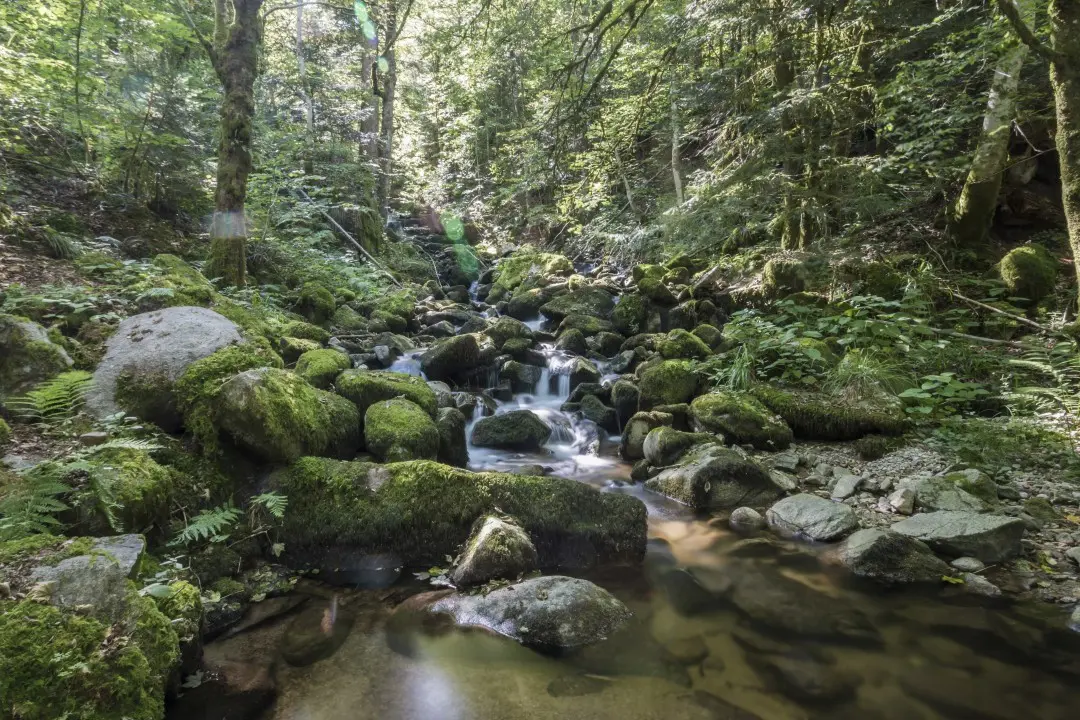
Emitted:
pixel 934 656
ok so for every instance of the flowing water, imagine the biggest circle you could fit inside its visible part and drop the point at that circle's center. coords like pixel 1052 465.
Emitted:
pixel 797 639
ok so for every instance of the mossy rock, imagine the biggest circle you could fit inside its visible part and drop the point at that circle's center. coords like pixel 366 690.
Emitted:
pixel 668 383
pixel 514 270
pixel 496 548
pixel 278 417
pixel 572 341
pixel 453 442
pixel 305 331
pixel 665 445
pixel 683 345
pixel 347 320
pixel 585 324
pixel 422 512
pixel 631 314
pixel 741 419
pixel 656 290
pixel 196 390
pixel 783 276
pixel 398 430
pixel 975 482
pixel 184 609
pixel 382 321
pixel 711 477
pixel 27 355
pixel 709 335
pixel 646 270
pixel 321 367
pixel 55 663
pixel 179 285
pixel 525 305
pixel 514 430
pixel 507 328
pixel 1029 272
pixel 637 429
pixel 819 417
pixel 367 387
pixel 315 303
pixel 141 489
pixel 5 433
pixel 589 301
pixel 292 348
pixel 451 359
pixel 606 344
pixel 605 417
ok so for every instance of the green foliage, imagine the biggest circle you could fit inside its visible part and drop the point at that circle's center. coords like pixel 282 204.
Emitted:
pixel 942 394
pixel 1059 369
pixel 56 400
pixel 209 525
pixel 29 506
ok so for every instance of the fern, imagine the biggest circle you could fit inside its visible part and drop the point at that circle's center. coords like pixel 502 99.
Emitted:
pixel 274 503
pixel 1060 367
pixel 30 506
pixel 123 444
pixel 59 245
pixel 55 400
pixel 207 525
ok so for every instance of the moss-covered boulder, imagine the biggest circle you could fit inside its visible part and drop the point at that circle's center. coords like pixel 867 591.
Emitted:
pixel 624 398
pixel 631 314
pixel 714 477
pixel 583 371
pixel 146 357
pixel 27 356
pixel 783 276
pixel 741 418
pixel 305 331
pixel 367 387
pixel 321 367
pixel 5 433
pixel 668 383
pixel 453 445
pixel 593 408
pixel 664 445
pixel 347 320
pixel 586 324
pixel 637 429
pixel 315 303
pixel 1029 272
pixel 819 417
pixel 140 490
pixel 655 290
pixel 526 304
pixel 172 283
pixel 496 548
pixel 507 328
pixel 514 430
pixel 589 301
pixel 451 359
pixel 572 341
pixel 709 335
pixel 423 511
pixel 278 417
pixel 292 348
pixel 524 264
pixel 682 345
pixel 399 429
pixel 606 344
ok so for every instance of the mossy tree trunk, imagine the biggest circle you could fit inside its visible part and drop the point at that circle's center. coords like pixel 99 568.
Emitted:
pixel 236 63
pixel 974 210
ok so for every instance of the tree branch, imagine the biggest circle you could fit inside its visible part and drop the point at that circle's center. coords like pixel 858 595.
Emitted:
pixel 1027 35
pixel 215 61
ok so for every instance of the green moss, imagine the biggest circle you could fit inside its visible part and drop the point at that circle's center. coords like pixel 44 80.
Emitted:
pixel 422 511
pixel 5 433
pixel 305 331
pixel 64 221
pixel 586 324
pixel 141 491
pixel 513 271
pixel 1029 272
pixel 321 367
pixel 292 348
pixel 348 320
pixel 682 345
pixel 399 429
pixel 26 355
pixel 830 418
pixel 644 271
pixel 228 587
pixel 1041 509
pixel 631 314
pixel 654 289
pixel 783 276
pixel 183 607
pixel 197 388
pixel 741 418
pixel 367 387
pixel 668 383
pixel 187 284
pixel 709 335
pixel 54 664
pixel 279 417
pixel 17 551
pixel 315 303
pixel 589 301
pixel 382 321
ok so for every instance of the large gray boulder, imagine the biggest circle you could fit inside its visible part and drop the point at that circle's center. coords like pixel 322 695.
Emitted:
pixel 811 517
pixel 714 478
pixel 664 445
pixel 97 581
pixel 497 548
pixel 889 557
pixel 514 430
pixel 554 613
pixel 990 538
pixel 148 354
pixel 940 493
pixel 637 429
pixel 27 356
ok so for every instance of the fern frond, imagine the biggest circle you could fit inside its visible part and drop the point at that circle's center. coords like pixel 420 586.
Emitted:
pixel 30 506
pixel 124 444
pixel 207 525
pixel 54 400
pixel 274 503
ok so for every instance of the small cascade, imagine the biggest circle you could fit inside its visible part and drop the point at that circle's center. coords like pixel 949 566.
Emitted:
pixel 474 292
pixel 535 325
pixel 408 364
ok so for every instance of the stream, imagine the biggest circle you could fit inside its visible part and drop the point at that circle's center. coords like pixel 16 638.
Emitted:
pixel 805 642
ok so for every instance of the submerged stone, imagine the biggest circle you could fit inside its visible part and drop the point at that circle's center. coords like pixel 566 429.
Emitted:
pixel 889 557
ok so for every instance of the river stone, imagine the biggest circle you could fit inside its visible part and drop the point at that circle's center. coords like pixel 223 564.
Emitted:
pixel 453 446
pixel 151 351
pixel 811 517
pixel 583 371
pixel 316 633
pixel 845 486
pixel 978 585
pixel 553 613
pixel 939 493
pixel 98 581
pixel 523 378
pixel 399 429
pixel 624 398
pixel 637 428
pixel 589 301
pixel 889 557
pixel 507 328
pixel 514 430
pixel 990 538
pixel 902 501
pixel 714 477
pixel 605 417
pixel 968 564
pixel 444 397
pixel 805 679
pixel 746 519
pixel 497 548
pixel 451 359
pixel 664 446
pixel 27 356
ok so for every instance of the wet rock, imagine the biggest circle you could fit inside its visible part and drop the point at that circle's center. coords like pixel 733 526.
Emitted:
pixel 959 694
pixel 746 520
pixel 804 679
pixel 664 446
pixel 507 328
pixel 451 359
pixel 440 330
pixel 91 439
pixel 785 482
pixel 148 354
pixel 576 685
pixel 606 343
pixel 624 398
pixel 714 478
pixel 990 538
pixel 453 446
pixel 583 371
pixel 889 557
pixel 636 429
pixel 523 378
pixel 741 419
pixel 399 429
pixel 968 564
pixel 811 517
pixel 497 548
pixel 978 585
pixel 316 633
pixel 444 397
pixel 552 613
pixel 514 430
pixel 230 691
pixel 605 417
pixel 588 300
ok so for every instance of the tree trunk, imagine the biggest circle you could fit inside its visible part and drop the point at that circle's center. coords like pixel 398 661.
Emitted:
pixel 977 204
pixel 305 93
pixel 369 122
pixel 237 66
pixel 1065 78
pixel 676 173
pixel 386 131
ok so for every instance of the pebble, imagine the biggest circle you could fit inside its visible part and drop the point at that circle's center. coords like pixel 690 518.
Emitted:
pixel 968 564
pixel 978 585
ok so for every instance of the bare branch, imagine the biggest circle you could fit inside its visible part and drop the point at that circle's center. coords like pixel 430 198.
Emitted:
pixel 215 61
pixel 1027 35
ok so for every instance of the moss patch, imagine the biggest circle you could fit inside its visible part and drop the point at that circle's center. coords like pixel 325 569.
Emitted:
pixel 315 303
pixel 1029 272
pixel 668 383
pixel 513 271
pixel 399 429
pixel 682 345
pixel 741 418
pixel 367 387
pixel 829 418
pixel 320 367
